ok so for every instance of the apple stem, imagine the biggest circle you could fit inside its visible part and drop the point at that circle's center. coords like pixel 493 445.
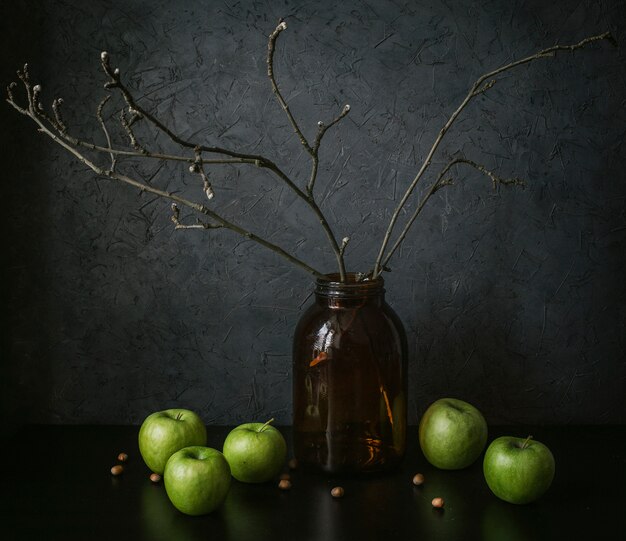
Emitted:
pixel 261 429
pixel 179 416
pixel 525 444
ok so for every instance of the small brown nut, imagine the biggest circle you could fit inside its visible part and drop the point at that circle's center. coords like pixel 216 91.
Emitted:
pixel 285 477
pixel 155 477
pixel 418 479
pixel 122 457
pixel 117 469
pixel 438 503
pixel 284 484
pixel 337 492
pixel 293 463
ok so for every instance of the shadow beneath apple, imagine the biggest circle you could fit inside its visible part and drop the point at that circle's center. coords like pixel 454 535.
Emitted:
pixel 161 521
pixel 249 513
pixel 502 521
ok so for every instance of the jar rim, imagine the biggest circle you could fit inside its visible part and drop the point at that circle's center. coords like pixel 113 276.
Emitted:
pixel 331 285
pixel 352 280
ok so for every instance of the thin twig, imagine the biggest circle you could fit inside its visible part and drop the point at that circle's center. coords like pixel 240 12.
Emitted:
pixel 58 116
pixel 271 47
pixel 198 169
pixel 127 125
pixel 312 150
pixel 321 130
pixel 474 91
pixel 116 82
pixel 198 225
pixel 106 131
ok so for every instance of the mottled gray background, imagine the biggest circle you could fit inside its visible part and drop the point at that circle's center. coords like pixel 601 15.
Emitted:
pixel 513 299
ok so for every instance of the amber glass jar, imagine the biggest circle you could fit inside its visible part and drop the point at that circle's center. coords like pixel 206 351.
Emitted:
pixel 349 379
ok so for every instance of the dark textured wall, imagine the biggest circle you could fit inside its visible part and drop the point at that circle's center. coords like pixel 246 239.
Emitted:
pixel 513 299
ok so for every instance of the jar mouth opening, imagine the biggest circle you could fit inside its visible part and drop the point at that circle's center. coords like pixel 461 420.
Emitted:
pixel 353 279
pixel 354 286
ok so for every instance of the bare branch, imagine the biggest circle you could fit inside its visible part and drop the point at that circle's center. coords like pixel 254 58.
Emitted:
pixel 126 124
pixel 10 87
pixel 321 131
pixel 197 168
pixel 495 179
pixel 58 116
pixel 484 89
pixel 474 91
pixel 440 183
pixel 198 225
pixel 54 126
pixel 107 173
pixel 312 150
pixel 105 130
pixel 271 47
pixel 323 128
pixel 261 161
pixel 25 78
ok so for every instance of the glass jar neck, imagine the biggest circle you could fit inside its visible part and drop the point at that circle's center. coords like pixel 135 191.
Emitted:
pixel 330 291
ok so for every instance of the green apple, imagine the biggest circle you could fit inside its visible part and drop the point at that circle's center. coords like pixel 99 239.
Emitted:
pixel 452 434
pixel 197 479
pixel 165 432
pixel 256 452
pixel 518 470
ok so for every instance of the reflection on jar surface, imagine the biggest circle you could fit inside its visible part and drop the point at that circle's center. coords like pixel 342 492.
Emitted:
pixel 349 379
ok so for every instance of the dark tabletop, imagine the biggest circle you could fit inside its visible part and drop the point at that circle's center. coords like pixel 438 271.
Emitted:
pixel 56 484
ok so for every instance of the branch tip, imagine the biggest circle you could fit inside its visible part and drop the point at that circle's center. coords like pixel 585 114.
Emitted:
pixel 10 88
pixel 610 38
